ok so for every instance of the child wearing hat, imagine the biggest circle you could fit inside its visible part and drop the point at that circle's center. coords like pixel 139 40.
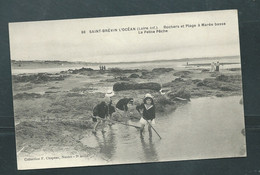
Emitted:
pixel 122 105
pixel 148 114
pixel 100 112
pixel 111 108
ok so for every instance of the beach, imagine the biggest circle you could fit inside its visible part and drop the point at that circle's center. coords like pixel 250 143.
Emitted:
pixel 53 109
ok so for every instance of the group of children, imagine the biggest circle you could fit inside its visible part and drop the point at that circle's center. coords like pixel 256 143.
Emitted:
pixel 103 111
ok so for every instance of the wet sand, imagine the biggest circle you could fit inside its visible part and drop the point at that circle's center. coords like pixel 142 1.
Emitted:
pixel 55 109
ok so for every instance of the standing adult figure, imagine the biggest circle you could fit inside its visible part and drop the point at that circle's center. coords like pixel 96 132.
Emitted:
pixel 217 66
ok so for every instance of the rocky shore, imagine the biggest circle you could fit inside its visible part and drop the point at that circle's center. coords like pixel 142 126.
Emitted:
pixel 53 109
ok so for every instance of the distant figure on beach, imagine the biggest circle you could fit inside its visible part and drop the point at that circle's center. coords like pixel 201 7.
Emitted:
pixel 122 105
pixel 148 114
pixel 104 67
pixel 217 66
pixel 100 67
pixel 187 63
pixel 212 67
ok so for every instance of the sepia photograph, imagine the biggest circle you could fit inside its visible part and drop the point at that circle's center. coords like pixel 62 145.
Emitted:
pixel 127 89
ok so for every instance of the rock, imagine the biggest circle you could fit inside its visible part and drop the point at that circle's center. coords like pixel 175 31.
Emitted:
pixel 164 105
pixel 182 73
pixel 123 78
pixel 145 73
pixel 109 80
pixel 162 100
pixel 162 70
pixel 182 93
pixel 63 72
pixel 118 70
pixel 76 71
pixel 214 74
pixel 119 78
pixel 120 86
pixel 204 70
pixel 178 80
pixel 200 83
pixel 222 78
pixel 230 78
pixel 226 88
pixel 152 86
pixel 169 84
pixel 195 81
pixel 134 76
pixel 234 69
pixel 212 83
pixel 38 78
pixel 219 95
pixel 27 95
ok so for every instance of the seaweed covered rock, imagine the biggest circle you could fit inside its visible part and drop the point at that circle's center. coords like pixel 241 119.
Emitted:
pixel 211 83
pixel 222 78
pixel 178 80
pixel 83 69
pixel 118 70
pixel 226 88
pixel 230 78
pixel 38 78
pixel 26 95
pixel 162 70
pixel 147 75
pixel 205 70
pixel 181 93
pixel 134 76
pixel 164 104
pixel 122 78
pixel 234 69
pixel 182 74
pixel 200 83
pixel 121 86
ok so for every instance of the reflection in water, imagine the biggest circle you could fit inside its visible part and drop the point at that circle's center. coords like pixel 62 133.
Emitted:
pixel 150 153
pixel 204 128
pixel 107 143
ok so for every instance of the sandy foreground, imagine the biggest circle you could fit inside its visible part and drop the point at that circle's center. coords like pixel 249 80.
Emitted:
pixel 55 109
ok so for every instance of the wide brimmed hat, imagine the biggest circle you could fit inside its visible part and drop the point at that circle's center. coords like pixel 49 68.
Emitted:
pixel 148 96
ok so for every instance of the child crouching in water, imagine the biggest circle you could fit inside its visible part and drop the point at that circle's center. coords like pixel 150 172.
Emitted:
pixel 148 114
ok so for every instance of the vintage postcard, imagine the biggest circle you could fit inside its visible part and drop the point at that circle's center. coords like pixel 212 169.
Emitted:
pixel 131 89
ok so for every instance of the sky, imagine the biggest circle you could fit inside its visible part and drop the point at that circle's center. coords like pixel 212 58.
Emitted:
pixel 63 39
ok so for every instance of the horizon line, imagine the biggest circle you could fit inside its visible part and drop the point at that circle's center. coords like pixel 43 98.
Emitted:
pixel 178 59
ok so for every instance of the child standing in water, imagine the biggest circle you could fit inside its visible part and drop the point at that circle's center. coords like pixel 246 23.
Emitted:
pixel 111 108
pixel 148 114
pixel 100 112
